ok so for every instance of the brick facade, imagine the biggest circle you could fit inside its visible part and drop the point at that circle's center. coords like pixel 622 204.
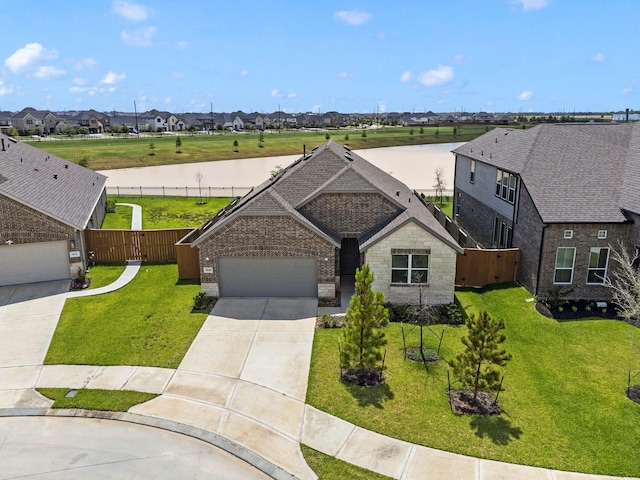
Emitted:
pixel 21 224
pixel 349 214
pixel 442 266
pixel 477 218
pixel 268 236
pixel 527 236
pixel 585 236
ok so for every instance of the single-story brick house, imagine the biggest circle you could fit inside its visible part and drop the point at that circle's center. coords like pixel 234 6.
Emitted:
pixel 320 218
pixel 564 194
pixel 46 203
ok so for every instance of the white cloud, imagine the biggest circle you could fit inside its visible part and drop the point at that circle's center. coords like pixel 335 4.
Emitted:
pixel 167 101
pixel 177 75
pixel 140 38
pixel 627 90
pixel 27 58
pixel 4 90
pixel 315 109
pixel 275 93
pixel 437 76
pixel 528 5
pixel 406 77
pixel 342 75
pixel 353 17
pixel 46 72
pixel 131 11
pixel 85 63
pixel 598 57
pixel 112 78
pixel 292 95
pixel 181 44
pixel 489 103
pixel 525 95
pixel 244 73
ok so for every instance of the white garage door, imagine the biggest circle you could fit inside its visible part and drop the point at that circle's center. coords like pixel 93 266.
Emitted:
pixel 33 262
pixel 267 277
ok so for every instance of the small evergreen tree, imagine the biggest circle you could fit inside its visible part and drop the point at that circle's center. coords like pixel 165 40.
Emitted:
pixel 178 145
pixel 152 147
pixel 261 139
pixel 476 366
pixel 363 335
pixel 235 146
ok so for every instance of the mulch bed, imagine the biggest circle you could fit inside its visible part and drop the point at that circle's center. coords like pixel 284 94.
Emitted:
pixel 205 304
pixel 362 378
pixel 413 354
pixel 581 311
pixel 634 393
pixel 463 404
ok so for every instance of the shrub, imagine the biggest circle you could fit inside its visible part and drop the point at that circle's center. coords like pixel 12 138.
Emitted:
pixel 111 206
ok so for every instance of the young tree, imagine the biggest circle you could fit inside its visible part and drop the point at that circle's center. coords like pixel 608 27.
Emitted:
pixel 199 176
pixel 440 183
pixel 476 366
pixel 261 139
pixel 625 283
pixel 178 144
pixel 363 335
pixel 235 146
pixel 152 147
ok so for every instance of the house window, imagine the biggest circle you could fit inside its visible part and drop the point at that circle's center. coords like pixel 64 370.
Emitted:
pixel 409 268
pixel 598 262
pixel 506 186
pixel 565 257
pixel 472 174
pixel 502 234
pixel 602 234
pixel 568 234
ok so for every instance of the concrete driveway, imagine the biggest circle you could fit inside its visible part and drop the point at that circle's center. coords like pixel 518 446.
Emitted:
pixel 245 377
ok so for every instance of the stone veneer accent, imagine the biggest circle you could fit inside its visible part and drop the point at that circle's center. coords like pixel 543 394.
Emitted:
pixel 349 214
pixel 585 236
pixel 442 266
pixel 268 236
pixel 22 224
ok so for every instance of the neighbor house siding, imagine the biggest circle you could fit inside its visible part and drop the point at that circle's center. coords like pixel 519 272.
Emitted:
pixel 349 214
pixel 267 236
pixel 527 236
pixel 585 236
pixel 442 266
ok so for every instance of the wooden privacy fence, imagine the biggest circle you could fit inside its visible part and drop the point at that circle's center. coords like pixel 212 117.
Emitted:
pixel 118 246
pixel 478 268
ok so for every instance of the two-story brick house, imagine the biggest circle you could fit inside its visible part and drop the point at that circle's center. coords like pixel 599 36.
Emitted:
pixel 329 212
pixel 562 193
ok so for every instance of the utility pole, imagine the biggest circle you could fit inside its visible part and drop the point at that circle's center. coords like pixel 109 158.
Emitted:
pixel 135 111
pixel 212 124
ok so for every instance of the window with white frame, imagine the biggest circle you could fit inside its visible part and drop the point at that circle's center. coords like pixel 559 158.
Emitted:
pixel 409 268
pixel 506 186
pixel 602 234
pixel 598 263
pixel 568 234
pixel 502 234
pixel 472 173
pixel 565 257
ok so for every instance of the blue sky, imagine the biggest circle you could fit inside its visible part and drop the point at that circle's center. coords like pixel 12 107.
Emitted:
pixel 323 55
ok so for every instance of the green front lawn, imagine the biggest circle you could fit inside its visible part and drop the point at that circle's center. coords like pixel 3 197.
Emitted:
pixel 164 212
pixel 102 275
pixel 330 468
pixel 90 399
pixel 148 323
pixel 564 406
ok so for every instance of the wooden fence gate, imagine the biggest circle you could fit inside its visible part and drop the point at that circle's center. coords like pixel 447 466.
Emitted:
pixel 119 246
pixel 478 267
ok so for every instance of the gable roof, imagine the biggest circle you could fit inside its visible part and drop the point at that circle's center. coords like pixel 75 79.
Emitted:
pixel 330 168
pixel 575 173
pixel 51 185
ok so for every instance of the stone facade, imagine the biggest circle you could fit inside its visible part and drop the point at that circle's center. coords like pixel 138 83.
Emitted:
pixel 442 266
pixel 349 214
pixel 584 237
pixel 21 224
pixel 268 236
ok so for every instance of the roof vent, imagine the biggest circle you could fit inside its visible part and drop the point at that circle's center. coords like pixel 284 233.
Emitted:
pixel 348 157
pixel 66 165
pixel 3 149
pixel 397 193
pixel 55 176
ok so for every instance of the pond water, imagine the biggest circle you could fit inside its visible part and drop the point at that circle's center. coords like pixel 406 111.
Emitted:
pixel 414 165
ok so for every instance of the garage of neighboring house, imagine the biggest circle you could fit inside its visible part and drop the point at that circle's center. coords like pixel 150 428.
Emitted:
pixel 33 262
pixel 267 277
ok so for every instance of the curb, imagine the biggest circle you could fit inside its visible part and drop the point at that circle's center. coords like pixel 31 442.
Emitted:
pixel 211 438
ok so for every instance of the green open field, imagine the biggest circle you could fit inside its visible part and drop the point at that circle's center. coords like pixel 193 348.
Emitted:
pixel 121 152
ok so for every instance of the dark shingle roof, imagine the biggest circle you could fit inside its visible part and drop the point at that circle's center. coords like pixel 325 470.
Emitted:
pixel 51 185
pixel 330 168
pixel 585 173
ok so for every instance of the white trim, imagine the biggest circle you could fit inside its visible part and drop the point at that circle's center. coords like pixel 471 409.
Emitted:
pixel 555 267
pixel 602 234
pixel 606 265
pixel 568 234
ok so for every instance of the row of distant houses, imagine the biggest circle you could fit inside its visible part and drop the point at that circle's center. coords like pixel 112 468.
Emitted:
pixel 30 121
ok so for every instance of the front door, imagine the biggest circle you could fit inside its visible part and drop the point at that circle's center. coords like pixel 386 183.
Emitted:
pixel 349 256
